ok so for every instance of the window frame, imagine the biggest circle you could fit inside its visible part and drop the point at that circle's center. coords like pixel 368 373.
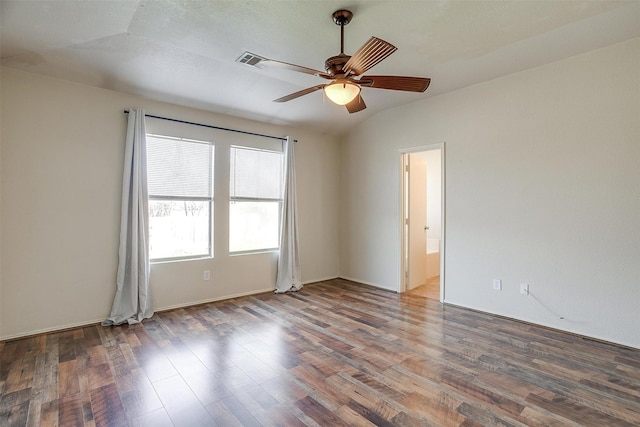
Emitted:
pixel 210 204
pixel 280 200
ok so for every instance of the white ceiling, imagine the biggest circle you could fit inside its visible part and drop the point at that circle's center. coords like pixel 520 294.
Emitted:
pixel 184 52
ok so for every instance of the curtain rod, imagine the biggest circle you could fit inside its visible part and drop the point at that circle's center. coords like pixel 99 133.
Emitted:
pixel 212 127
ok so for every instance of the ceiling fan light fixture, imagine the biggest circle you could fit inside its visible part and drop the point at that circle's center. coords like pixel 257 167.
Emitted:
pixel 342 92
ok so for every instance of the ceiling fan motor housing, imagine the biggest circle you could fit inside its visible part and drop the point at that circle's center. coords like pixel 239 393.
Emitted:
pixel 335 64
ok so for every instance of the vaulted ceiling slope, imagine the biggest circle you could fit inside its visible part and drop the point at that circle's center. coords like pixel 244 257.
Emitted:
pixel 184 52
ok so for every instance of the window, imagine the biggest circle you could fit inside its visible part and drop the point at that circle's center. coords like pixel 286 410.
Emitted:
pixel 256 178
pixel 180 181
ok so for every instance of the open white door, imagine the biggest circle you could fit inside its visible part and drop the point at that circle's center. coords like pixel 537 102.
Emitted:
pixel 423 243
pixel 417 222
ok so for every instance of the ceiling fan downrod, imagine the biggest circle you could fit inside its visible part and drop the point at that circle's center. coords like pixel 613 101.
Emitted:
pixel 342 17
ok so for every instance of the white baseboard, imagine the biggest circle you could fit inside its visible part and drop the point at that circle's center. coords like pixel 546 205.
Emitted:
pixel 375 285
pixel 308 282
pixel 59 328
pixel 220 298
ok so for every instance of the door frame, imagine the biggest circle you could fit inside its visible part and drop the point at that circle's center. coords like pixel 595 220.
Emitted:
pixel 402 214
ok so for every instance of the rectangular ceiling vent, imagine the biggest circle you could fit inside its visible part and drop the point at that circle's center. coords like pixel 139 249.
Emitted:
pixel 251 59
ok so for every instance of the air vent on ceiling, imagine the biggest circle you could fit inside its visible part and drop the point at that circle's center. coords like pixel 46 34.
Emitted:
pixel 251 59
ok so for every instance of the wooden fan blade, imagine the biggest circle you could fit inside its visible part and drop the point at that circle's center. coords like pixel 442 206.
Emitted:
pixel 369 55
pixel 409 84
pixel 299 93
pixel 293 67
pixel 356 105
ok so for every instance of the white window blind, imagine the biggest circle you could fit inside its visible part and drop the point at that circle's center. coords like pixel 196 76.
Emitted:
pixel 255 174
pixel 179 168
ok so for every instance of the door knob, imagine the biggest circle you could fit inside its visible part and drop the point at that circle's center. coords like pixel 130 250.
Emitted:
pixel 426 228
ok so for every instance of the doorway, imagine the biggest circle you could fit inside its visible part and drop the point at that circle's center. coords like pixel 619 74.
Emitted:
pixel 422 221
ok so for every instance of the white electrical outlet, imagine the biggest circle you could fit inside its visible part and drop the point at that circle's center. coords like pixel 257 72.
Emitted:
pixel 497 284
pixel 206 275
pixel 524 289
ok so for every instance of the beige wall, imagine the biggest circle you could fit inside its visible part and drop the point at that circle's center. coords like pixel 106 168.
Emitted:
pixel 542 187
pixel 62 150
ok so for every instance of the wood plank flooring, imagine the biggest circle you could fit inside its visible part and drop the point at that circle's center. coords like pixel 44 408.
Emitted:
pixel 431 289
pixel 335 353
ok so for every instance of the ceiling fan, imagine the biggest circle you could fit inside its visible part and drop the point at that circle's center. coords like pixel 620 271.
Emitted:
pixel 345 72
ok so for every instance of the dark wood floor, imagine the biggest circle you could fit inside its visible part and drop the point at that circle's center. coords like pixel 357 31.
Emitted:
pixel 335 353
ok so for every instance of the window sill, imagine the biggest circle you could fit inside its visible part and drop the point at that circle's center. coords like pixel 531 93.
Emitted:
pixel 255 252
pixel 172 260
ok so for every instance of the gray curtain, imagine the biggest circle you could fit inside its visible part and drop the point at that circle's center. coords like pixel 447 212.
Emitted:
pixel 289 276
pixel 132 301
